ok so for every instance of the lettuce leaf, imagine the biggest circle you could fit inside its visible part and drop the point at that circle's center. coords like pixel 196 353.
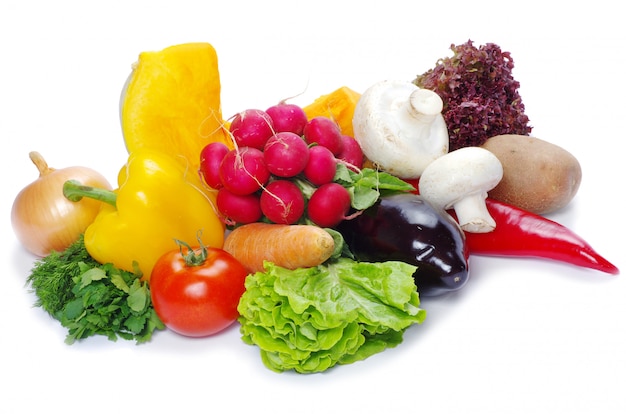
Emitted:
pixel 311 319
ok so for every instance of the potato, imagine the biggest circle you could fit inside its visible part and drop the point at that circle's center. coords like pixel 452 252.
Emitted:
pixel 538 176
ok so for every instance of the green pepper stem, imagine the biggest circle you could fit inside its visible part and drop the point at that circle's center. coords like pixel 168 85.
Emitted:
pixel 73 190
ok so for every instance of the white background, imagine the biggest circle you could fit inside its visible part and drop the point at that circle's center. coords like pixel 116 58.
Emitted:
pixel 524 336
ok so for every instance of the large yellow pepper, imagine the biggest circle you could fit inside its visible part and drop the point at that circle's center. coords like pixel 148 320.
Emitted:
pixel 157 202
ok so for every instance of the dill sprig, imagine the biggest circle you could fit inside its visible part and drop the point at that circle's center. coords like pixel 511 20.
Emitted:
pixel 51 277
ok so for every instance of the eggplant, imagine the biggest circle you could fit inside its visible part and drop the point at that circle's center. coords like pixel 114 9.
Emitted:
pixel 405 227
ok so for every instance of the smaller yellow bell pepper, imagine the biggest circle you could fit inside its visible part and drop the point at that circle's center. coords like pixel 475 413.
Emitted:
pixel 157 202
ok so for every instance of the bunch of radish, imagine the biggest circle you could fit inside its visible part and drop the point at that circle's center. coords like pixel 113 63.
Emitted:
pixel 281 168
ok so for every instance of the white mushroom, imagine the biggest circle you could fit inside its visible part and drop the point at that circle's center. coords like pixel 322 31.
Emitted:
pixel 400 127
pixel 460 180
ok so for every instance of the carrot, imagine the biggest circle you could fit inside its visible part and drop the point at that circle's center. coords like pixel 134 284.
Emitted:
pixel 289 246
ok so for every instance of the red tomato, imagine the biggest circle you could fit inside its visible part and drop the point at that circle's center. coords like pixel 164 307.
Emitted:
pixel 197 300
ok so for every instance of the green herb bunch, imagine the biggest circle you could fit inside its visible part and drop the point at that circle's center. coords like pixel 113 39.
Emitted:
pixel 90 298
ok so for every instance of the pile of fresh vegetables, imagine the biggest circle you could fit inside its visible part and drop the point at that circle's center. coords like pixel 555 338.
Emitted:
pixel 315 228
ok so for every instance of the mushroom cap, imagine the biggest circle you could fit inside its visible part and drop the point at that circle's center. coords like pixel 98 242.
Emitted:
pixel 459 174
pixel 400 127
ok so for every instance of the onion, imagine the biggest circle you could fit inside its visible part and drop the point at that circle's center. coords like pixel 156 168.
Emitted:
pixel 43 219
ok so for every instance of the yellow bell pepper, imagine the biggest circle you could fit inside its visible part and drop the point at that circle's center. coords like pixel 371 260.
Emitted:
pixel 157 202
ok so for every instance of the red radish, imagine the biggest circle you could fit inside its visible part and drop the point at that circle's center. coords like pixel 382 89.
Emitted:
pixel 287 118
pixel 239 208
pixel 286 154
pixel 282 202
pixel 329 205
pixel 252 128
pixel 321 167
pixel 352 154
pixel 211 157
pixel 243 171
pixel 324 131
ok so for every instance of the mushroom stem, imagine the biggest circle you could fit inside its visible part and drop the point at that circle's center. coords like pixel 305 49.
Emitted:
pixel 460 180
pixel 425 105
pixel 472 214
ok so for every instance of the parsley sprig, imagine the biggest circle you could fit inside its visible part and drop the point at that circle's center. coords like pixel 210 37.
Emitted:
pixel 90 298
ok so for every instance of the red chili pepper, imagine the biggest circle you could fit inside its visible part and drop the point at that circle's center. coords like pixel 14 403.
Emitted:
pixel 523 234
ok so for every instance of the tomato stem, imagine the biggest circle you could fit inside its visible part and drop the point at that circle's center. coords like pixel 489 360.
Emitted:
pixel 193 257
pixel 73 190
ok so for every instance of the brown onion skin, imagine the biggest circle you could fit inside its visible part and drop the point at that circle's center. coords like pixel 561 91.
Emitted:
pixel 43 219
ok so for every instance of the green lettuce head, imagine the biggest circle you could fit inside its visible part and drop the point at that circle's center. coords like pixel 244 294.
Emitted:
pixel 311 319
